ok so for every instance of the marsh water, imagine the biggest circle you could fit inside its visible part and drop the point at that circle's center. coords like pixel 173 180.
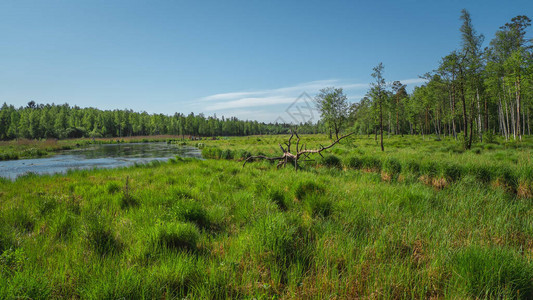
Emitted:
pixel 97 156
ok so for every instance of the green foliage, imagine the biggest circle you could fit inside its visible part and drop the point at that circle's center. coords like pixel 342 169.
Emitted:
pixel 217 153
pixel 211 152
pixel 508 178
pixel 392 166
pixel 278 197
pixel 66 122
pixel 429 168
pixel 331 161
pixel 371 163
pixel 284 239
pixel 243 154
pixel 483 174
pixel 192 211
pixel 492 273
pixel 112 187
pixel 127 201
pixel 177 236
pixel 452 172
pixel 412 167
pixel 208 229
pixel 226 154
pixel 20 219
pixel 101 237
pixel 11 261
pixel 354 162
pixel 6 238
pixel 64 226
pixel 333 107
pixel 319 206
pixel 306 188
pixel 489 137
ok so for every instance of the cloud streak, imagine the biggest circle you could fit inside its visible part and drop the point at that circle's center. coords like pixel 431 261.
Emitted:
pixel 265 103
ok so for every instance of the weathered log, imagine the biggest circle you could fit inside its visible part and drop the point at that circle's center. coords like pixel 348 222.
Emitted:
pixel 301 152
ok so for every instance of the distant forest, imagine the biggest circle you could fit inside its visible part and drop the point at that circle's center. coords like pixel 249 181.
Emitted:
pixel 36 121
pixel 474 91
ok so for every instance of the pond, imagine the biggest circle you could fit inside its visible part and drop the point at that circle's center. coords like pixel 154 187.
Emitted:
pixel 97 156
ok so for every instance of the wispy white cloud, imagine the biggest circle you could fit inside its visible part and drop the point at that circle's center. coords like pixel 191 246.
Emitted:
pixel 250 102
pixel 299 88
pixel 266 103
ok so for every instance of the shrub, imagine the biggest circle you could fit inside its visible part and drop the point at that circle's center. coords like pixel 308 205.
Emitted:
pixel 331 161
pixel 226 154
pixel 354 162
pixel 8 156
pixel 306 188
pixel 180 236
pixel 211 152
pixel 489 137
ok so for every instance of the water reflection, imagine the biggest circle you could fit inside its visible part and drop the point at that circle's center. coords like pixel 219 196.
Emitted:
pixel 97 156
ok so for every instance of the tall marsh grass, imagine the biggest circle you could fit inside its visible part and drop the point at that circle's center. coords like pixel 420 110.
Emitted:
pixel 418 221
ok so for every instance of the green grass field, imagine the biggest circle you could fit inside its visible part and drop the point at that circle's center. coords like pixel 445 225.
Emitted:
pixel 424 219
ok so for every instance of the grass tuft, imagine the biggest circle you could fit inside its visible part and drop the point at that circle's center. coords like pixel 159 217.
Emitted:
pixel 392 168
pixel 178 236
pixel 278 197
pixel 306 188
pixel 102 240
pixel 492 273
pixel 331 161
pixel 354 162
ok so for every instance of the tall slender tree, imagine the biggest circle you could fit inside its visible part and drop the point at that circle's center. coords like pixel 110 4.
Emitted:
pixel 378 94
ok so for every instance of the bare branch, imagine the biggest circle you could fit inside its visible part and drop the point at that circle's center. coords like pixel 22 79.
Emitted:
pixel 322 148
pixel 301 152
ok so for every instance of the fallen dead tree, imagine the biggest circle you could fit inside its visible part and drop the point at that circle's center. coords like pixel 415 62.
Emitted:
pixel 301 153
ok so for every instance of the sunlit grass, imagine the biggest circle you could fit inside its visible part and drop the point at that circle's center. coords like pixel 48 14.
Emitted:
pixel 421 220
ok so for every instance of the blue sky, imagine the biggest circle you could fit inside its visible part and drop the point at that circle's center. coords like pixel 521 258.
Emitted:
pixel 249 59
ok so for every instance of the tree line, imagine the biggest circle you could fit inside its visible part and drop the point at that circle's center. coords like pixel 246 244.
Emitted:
pixel 36 121
pixel 475 92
